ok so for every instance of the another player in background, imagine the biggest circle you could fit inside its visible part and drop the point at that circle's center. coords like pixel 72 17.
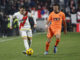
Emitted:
pixel 54 29
pixel 24 26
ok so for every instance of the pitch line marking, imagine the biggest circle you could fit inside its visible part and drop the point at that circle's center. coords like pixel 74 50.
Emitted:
pixel 4 40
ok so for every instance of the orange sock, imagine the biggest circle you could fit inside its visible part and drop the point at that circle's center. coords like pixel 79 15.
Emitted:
pixel 47 46
pixel 57 42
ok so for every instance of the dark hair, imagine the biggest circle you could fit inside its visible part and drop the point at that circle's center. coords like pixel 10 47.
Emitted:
pixel 57 5
pixel 21 6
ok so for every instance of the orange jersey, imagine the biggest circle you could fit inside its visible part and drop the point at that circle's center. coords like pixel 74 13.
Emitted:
pixel 56 20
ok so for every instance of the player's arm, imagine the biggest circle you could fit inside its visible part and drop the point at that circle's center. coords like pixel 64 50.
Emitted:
pixel 34 19
pixel 64 24
pixel 29 14
pixel 35 22
pixel 11 20
pixel 48 21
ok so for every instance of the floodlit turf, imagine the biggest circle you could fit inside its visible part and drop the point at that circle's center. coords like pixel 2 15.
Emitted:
pixel 69 48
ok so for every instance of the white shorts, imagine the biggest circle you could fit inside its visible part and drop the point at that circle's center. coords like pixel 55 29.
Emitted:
pixel 26 33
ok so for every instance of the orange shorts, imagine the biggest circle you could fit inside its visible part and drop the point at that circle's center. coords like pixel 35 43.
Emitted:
pixel 52 32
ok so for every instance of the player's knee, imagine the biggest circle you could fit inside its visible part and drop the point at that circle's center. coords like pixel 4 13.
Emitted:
pixel 29 38
pixel 24 38
pixel 58 37
pixel 49 40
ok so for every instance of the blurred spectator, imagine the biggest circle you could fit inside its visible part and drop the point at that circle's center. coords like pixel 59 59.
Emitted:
pixel 72 4
pixel 3 18
pixel 78 3
pixel 67 11
pixel 73 19
pixel 26 4
pixel 44 13
pixel 62 4
pixel 32 3
pixel 66 3
pixel 34 13
pixel 57 1
pixel 78 14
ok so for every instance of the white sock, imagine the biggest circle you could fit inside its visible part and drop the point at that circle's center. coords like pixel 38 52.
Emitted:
pixel 30 43
pixel 26 44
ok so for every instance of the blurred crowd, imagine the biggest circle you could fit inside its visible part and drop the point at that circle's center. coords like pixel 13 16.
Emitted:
pixel 8 7
pixel 11 6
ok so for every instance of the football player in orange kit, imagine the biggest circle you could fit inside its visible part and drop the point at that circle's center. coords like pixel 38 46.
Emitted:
pixel 56 18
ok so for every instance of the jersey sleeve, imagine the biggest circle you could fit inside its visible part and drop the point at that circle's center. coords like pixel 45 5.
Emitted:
pixel 14 15
pixel 63 16
pixel 11 19
pixel 35 22
pixel 29 14
pixel 50 17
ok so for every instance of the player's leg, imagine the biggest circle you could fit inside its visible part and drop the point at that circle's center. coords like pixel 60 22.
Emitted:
pixel 57 39
pixel 24 37
pixel 58 35
pixel 49 36
pixel 29 33
pixel 30 41
pixel 47 45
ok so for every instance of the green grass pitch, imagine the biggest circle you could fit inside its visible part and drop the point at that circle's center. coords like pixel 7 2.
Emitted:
pixel 69 48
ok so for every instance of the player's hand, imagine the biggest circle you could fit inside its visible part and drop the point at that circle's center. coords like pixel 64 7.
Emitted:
pixel 35 25
pixel 46 27
pixel 10 27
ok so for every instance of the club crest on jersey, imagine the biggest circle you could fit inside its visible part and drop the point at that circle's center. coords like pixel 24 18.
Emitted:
pixel 56 19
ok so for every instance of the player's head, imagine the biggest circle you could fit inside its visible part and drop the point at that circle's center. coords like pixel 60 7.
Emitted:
pixel 56 7
pixel 21 8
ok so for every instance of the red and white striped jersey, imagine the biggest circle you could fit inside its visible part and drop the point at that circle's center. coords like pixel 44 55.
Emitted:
pixel 21 21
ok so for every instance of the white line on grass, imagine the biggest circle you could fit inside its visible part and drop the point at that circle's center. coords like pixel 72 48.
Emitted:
pixel 4 40
pixel 7 40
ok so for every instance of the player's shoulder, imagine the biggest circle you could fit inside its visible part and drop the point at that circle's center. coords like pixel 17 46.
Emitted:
pixel 16 13
pixel 62 13
pixel 51 13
